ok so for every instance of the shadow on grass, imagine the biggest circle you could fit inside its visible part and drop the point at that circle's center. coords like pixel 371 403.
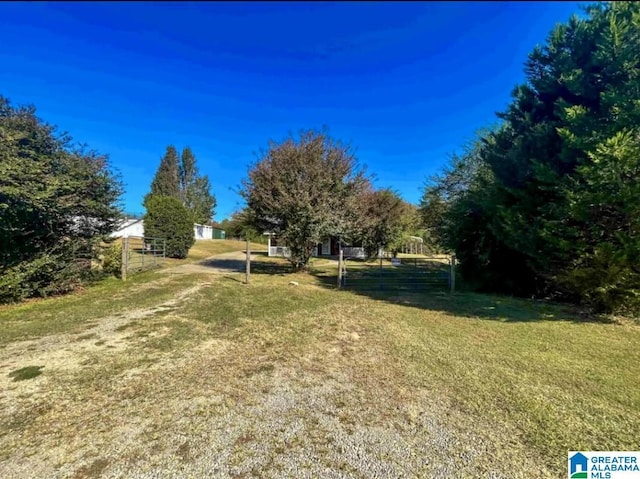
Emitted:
pixel 258 266
pixel 430 290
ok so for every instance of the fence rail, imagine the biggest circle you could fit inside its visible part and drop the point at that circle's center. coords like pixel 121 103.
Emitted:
pixel 399 274
pixel 282 251
pixel 140 253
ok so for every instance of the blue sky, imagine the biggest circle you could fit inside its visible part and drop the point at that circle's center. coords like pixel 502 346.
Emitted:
pixel 405 83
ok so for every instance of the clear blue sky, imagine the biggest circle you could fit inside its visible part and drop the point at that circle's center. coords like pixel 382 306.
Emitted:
pixel 405 83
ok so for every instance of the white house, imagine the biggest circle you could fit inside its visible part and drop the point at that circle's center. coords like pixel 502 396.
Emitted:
pixel 134 227
pixel 129 227
pixel 328 247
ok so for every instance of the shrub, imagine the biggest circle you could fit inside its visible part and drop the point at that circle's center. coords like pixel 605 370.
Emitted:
pixel 111 258
pixel 45 275
pixel 56 200
pixel 167 218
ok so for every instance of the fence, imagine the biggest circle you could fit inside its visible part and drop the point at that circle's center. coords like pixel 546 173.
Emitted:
pixel 399 274
pixel 279 251
pixel 140 253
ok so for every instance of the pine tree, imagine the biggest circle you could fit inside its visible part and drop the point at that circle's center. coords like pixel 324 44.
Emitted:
pixel 559 214
pixel 166 181
pixel 195 190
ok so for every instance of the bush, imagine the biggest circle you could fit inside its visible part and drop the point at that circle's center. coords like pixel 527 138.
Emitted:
pixel 167 218
pixel 607 281
pixel 45 275
pixel 111 258
pixel 56 200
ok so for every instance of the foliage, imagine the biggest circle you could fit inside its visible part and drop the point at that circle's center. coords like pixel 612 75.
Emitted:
pixel 547 204
pixel 166 182
pixel 379 221
pixel 411 227
pixel 239 226
pixel 195 190
pixel 605 205
pixel 303 190
pixel 56 201
pixel 111 256
pixel 167 218
pixel 178 177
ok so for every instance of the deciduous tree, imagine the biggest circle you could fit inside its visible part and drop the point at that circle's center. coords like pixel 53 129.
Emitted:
pixel 303 189
pixel 380 219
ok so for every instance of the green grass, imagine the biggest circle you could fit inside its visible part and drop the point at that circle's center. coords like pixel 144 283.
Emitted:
pixel 40 317
pixel 530 379
pixel 28 372
pixel 202 249
pixel 73 312
pixel 412 275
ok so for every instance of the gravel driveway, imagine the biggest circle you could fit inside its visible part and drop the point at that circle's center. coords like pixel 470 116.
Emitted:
pixel 245 402
pixel 234 262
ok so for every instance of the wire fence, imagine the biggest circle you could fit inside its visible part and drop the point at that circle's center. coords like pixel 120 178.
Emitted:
pixel 400 274
pixel 140 253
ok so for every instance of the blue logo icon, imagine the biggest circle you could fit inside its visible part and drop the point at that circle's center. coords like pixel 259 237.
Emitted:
pixel 578 466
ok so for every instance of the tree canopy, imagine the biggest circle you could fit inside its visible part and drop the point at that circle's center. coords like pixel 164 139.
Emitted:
pixel 56 200
pixel 304 189
pixel 178 177
pixel 168 218
pixel 380 221
pixel 548 203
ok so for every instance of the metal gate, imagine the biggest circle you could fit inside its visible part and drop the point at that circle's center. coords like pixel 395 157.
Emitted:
pixel 399 274
pixel 140 253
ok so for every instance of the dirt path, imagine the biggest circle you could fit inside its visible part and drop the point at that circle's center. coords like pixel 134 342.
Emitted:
pixel 233 262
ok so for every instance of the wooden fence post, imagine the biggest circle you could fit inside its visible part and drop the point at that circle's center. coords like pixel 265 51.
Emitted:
pixel 452 273
pixel 123 259
pixel 248 268
pixel 340 259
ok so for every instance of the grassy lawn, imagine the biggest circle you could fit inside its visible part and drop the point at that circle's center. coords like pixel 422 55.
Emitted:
pixel 204 248
pixel 411 274
pixel 162 370
pixel 200 250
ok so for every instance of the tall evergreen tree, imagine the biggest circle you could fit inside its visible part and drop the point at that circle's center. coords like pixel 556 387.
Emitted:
pixel 166 182
pixel 195 190
pixel 178 178
pixel 56 202
pixel 558 214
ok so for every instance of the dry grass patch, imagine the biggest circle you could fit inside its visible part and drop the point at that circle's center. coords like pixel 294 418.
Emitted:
pixel 215 377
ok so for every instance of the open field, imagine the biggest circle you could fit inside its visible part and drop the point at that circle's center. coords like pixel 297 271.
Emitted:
pixel 194 374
